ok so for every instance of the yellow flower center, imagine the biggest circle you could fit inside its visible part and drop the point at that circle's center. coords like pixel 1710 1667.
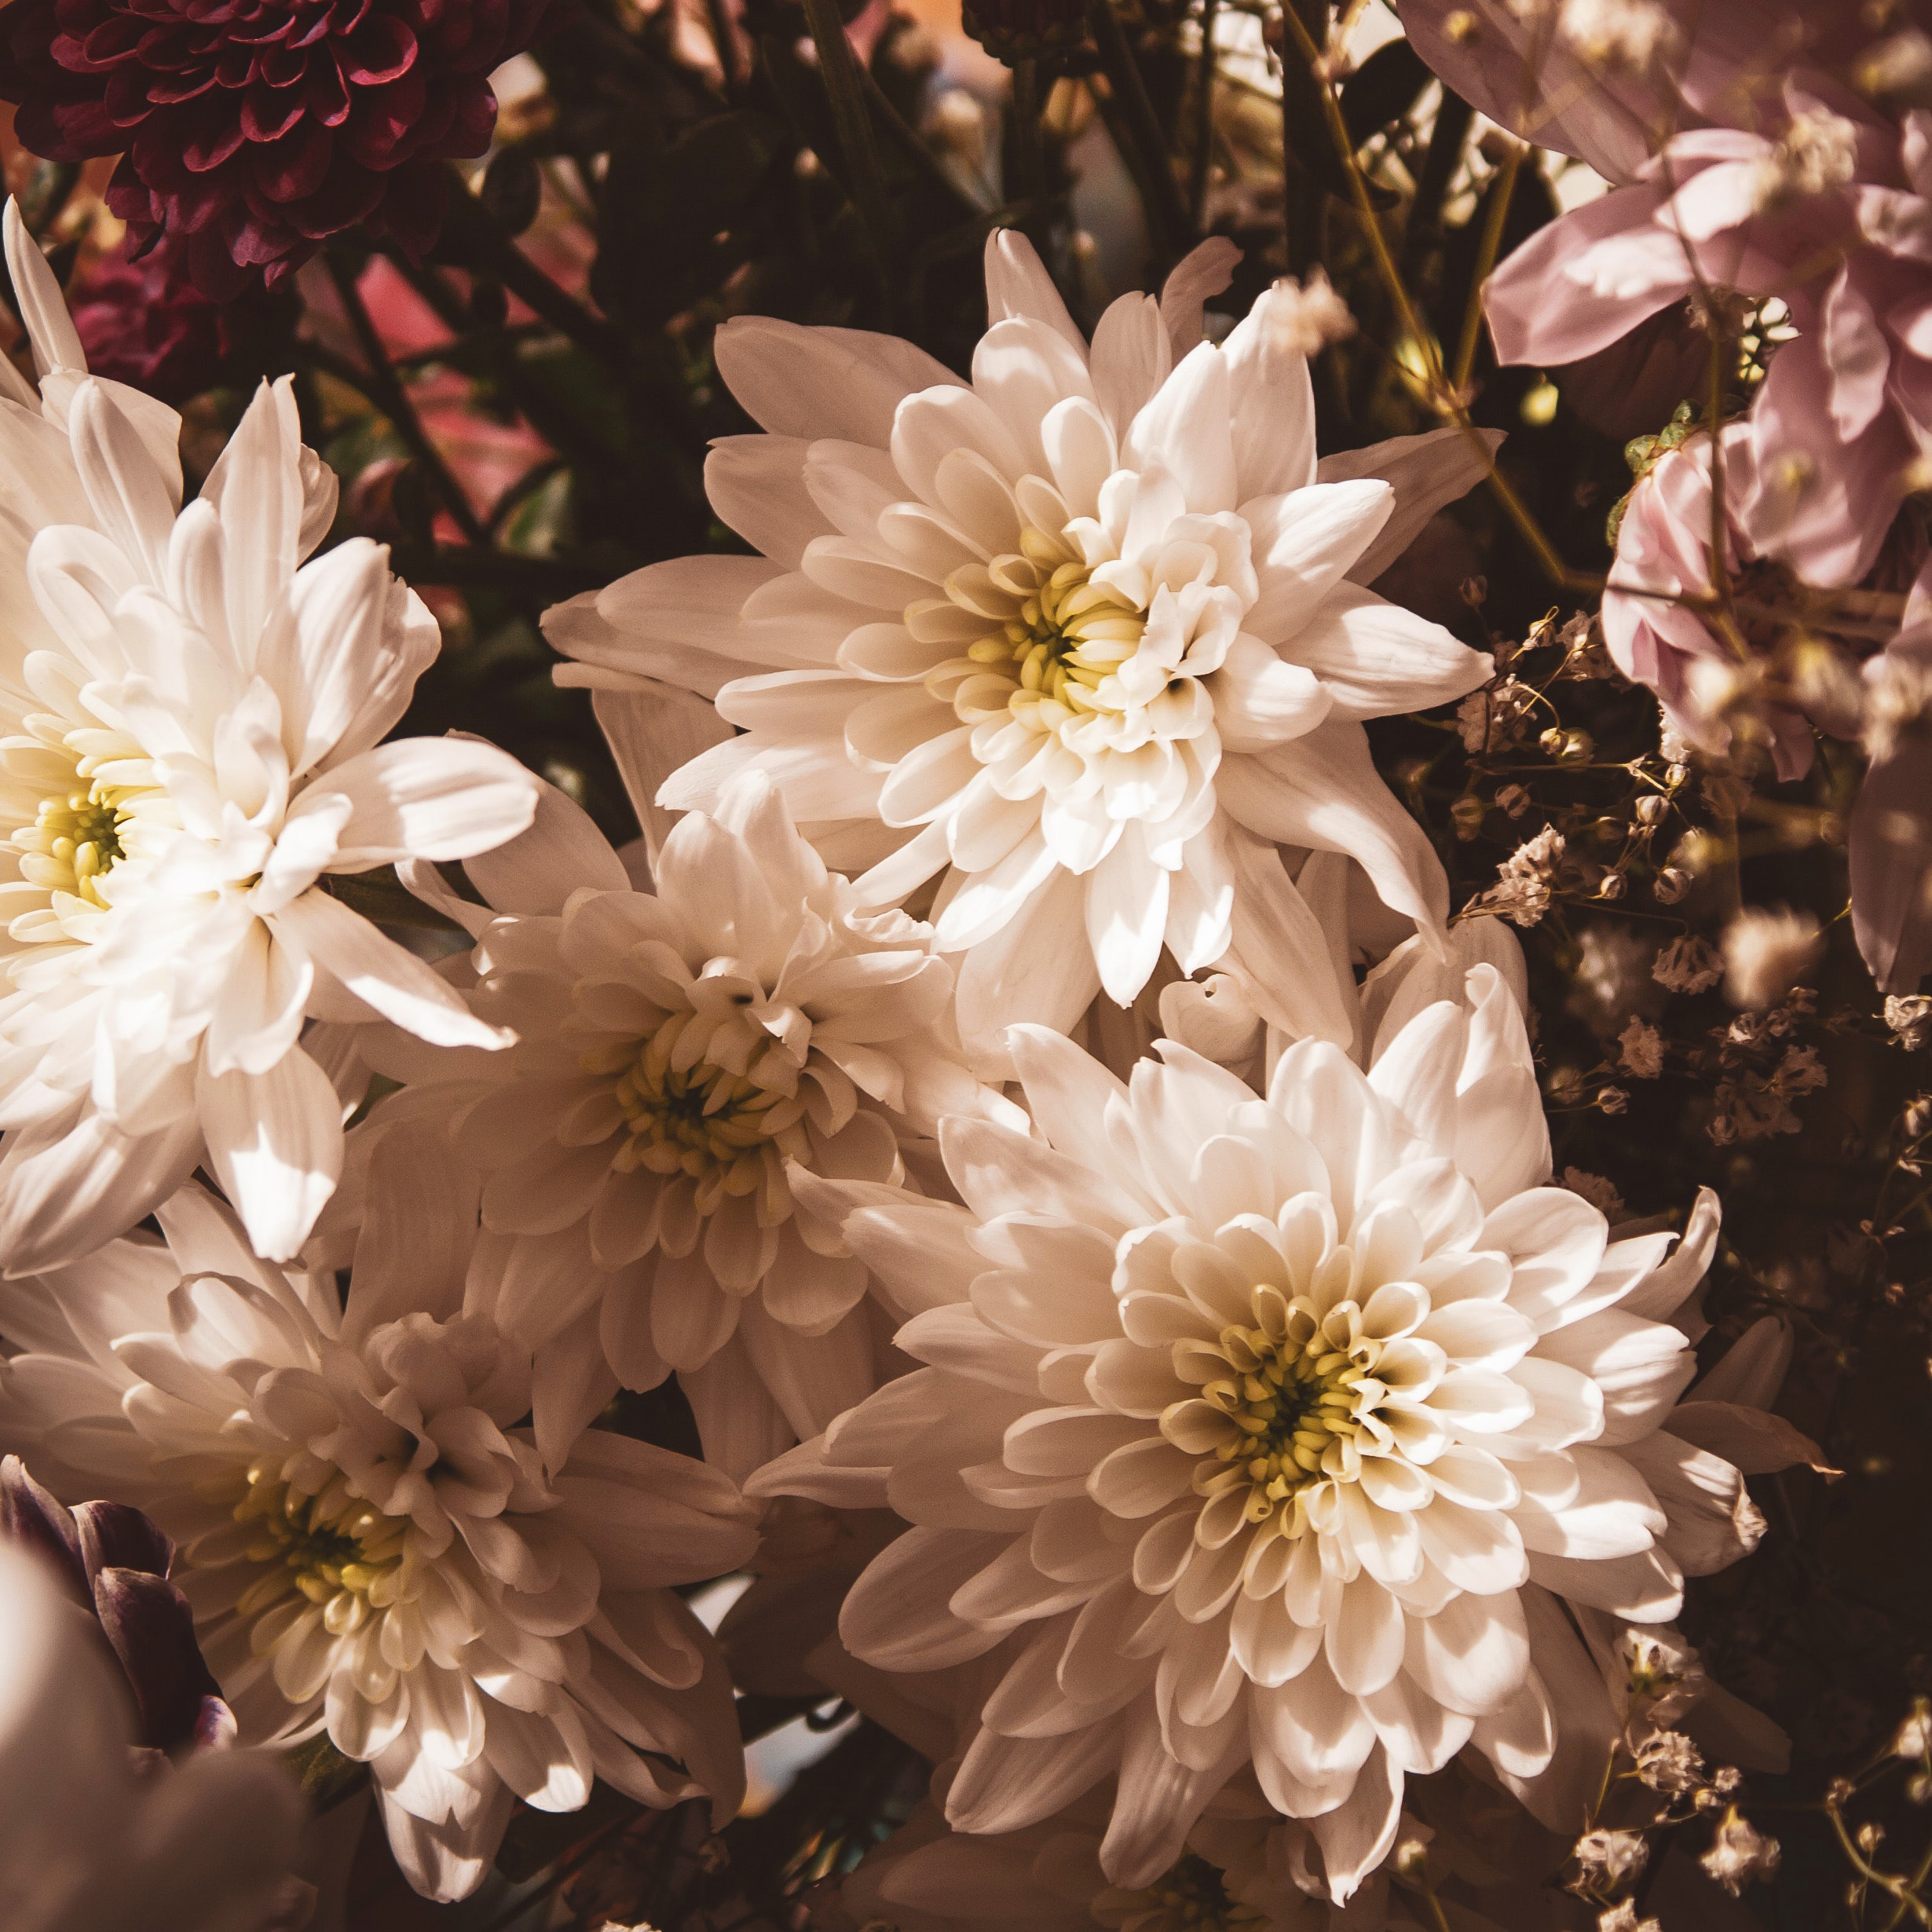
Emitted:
pixel 1058 636
pixel 1287 1400
pixel 702 1119
pixel 75 838
pixel 338 1550
pixel 1190 1896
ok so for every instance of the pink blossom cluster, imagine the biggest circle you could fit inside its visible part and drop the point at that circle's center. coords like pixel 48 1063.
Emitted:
pixel 1771 163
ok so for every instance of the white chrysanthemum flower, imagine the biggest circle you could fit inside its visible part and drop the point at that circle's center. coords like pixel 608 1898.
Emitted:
pixel 189 720
pixel 89 1836
pixel 1083 639
pixel 1269 1431
pixel 370 1544
pixel 1244 1869
pixel 678 1051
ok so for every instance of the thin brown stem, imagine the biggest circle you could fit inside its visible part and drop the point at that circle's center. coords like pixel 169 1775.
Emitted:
pixel 851 124
pixel 1886 1881
pixel 1029 150
pixel 1447 402
pixel 471 230
pixel 1204 127
pixel 1502 190
pixel 382 388
pixel 1167 212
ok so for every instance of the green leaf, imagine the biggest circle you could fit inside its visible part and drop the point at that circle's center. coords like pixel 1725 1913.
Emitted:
pixel 1383 88
pixel 537 1840
pixel 325 1775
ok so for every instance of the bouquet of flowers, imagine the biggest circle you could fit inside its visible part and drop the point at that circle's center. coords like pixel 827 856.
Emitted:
pixel 849 1084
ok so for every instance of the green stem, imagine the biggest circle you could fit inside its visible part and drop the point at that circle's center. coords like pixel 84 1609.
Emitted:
pixel 907 139
pixel 550 578
pixel 1304 200
pixel 470 228
pixel 1502 191
pixel 1423 235
pixel 382 388
pixel 1029 151
pixel 1166 212
pixel 1203 129
pixel 538 407
pixel 852 125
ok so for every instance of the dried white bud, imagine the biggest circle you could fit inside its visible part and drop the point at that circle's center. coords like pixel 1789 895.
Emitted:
pixel 1900 65
pixel 1910 1018
pixel 1767 951
pixel 1914 1737
pixel 1688 964
pixel 1623 1917
pixel 1740 1853
pixel 1642 1050
pixel 1898 699
pixel 1610 1859
pixel 1304 318
pixel 1669 1762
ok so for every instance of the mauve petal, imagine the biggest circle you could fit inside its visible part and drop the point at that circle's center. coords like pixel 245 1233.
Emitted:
pixel 33 1517
pixel 153 1630
pixel 1539 309
pixel 1890 851
pixel 117 1536
pixel 215 1727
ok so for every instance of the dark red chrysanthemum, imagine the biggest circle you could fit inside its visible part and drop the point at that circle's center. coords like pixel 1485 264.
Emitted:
pixel 146 323
pixel 250 129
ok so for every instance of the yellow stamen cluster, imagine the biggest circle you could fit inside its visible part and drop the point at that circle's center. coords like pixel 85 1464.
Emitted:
pixel 337 1549
pixel 1068 635
pixel 702 1120
pixel 1287 1401
pixel 1190 1896
pixel 75 838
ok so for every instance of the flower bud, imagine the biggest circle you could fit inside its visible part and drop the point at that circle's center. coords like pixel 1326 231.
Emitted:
pixel 1651 808
pixel 1019 30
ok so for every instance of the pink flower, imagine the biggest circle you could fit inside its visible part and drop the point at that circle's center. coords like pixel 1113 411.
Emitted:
pixel 1891 824
pixel 1829 209
pixel 1658 635
pixel 1541 68
pixel 1664 555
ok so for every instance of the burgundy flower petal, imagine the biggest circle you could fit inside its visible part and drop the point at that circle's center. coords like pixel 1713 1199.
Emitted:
pixel 33 1517
pixel 115 1536
pixel 271 125
pixel 153 1630
pixel 215 1729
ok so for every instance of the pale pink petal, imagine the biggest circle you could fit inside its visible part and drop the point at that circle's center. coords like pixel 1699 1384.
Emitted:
pixel 275 1140
pixel 380 973
pixel 427 798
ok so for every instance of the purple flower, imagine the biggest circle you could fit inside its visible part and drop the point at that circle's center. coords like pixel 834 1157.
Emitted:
pixel 110 1559
pixel 251 129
